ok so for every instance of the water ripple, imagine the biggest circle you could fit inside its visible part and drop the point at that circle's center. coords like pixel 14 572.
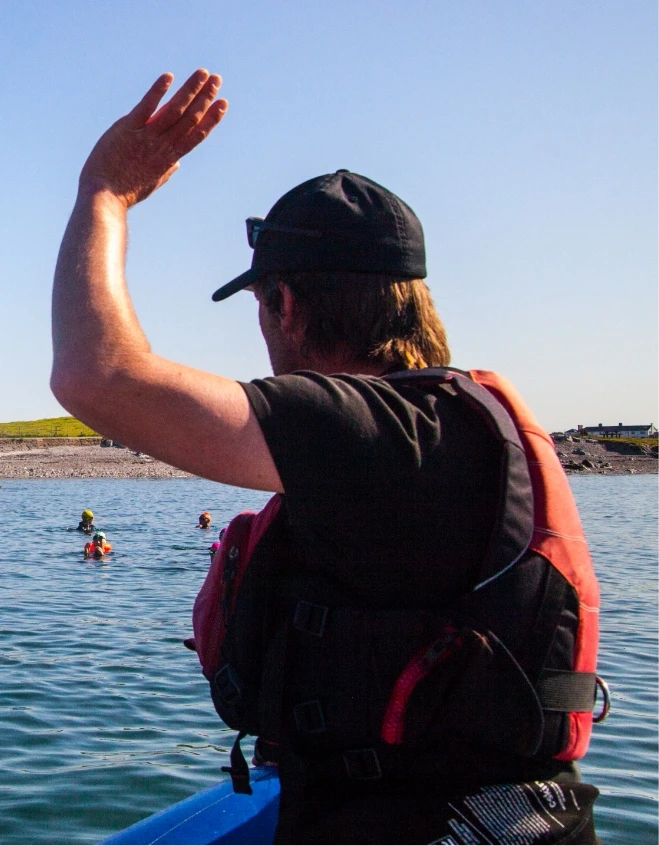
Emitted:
pixel 105 716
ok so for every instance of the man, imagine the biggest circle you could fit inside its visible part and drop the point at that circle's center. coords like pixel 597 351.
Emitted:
pixel 406 502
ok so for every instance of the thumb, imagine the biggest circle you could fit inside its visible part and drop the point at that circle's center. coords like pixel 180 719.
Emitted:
pixel 171 171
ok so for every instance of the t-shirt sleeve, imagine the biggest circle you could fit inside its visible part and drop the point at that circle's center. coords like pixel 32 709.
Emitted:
pixel 330 437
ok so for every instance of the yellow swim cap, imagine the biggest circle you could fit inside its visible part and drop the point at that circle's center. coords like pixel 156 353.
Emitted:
pixel 87 514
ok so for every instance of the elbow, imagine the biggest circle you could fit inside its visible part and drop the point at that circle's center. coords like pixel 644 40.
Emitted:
pixel 69 390
pixel 62 391
pixel 94 394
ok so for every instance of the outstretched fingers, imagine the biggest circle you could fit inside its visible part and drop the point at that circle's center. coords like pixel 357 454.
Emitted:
pixel 139 152
pixel 201 130
pixel 138 116
pixel 190 115
pixel 197 108
pixel 172 112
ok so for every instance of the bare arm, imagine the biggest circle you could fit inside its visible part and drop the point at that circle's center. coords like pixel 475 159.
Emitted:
pixel 104 371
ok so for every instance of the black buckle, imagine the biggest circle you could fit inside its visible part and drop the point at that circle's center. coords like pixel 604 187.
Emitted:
pixel 310 618
pixel 227 685
pixel 362 764
pixel 309 717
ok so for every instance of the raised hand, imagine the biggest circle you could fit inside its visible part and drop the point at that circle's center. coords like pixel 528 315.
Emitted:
pixel 141 151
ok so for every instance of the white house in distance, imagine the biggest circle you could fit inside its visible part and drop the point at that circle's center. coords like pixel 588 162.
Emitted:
pixel 619 431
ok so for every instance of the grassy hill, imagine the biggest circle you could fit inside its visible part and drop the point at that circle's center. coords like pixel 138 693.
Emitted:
pixel 50 427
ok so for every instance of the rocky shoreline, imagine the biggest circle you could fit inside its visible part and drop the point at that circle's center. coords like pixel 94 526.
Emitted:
pixel 92 458
pixel 77 458
pixel 587 455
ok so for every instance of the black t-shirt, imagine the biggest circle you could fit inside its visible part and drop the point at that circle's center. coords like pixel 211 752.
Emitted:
pixel 390 492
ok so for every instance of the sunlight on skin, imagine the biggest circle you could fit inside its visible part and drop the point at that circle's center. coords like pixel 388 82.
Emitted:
pixel 193 420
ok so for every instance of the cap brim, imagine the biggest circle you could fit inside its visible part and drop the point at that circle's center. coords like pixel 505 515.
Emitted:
pixel 237 284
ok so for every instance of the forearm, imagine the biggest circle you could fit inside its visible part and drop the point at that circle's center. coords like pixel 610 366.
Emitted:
pixel 104 372
pixel 95 328
pixel 96 333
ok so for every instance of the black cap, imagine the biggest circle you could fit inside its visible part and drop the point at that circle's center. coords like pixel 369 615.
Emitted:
pixel 338 222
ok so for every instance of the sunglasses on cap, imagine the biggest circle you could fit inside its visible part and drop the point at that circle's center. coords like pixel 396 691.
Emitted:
pixel 256 225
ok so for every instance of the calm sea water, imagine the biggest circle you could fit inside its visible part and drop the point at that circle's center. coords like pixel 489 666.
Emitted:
pixel 105 717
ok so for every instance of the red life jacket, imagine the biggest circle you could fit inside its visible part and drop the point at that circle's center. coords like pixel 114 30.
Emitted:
pixel 509 667
pixel 558 537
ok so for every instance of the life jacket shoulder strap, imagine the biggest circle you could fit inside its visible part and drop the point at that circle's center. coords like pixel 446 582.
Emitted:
pixel 513 526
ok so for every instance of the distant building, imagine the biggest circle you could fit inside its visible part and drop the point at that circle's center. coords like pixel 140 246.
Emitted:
pixel 647 430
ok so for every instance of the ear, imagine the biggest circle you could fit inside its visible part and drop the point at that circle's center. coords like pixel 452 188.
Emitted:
pixel 290 314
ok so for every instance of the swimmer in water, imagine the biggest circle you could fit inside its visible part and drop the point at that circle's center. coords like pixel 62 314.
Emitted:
pixel 98 547
pixel 204 520
pixel 86 525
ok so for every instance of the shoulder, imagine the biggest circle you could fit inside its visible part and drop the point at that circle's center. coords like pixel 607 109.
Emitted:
pixel 319 427
pixel 341 396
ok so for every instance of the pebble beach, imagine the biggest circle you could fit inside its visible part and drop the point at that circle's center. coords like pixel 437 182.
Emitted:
pixel 77 458
pixel 85 458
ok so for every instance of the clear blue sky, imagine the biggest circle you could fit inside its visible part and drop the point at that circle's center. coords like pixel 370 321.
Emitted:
pixel 524 135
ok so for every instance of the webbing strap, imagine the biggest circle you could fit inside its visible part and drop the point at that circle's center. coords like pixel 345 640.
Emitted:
pixel 566 690
pixel 239 771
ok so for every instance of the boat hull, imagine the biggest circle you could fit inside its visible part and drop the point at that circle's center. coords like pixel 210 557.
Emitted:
pixel 214 815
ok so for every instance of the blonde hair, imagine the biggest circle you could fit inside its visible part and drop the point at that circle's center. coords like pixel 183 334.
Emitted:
pixel 366 317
